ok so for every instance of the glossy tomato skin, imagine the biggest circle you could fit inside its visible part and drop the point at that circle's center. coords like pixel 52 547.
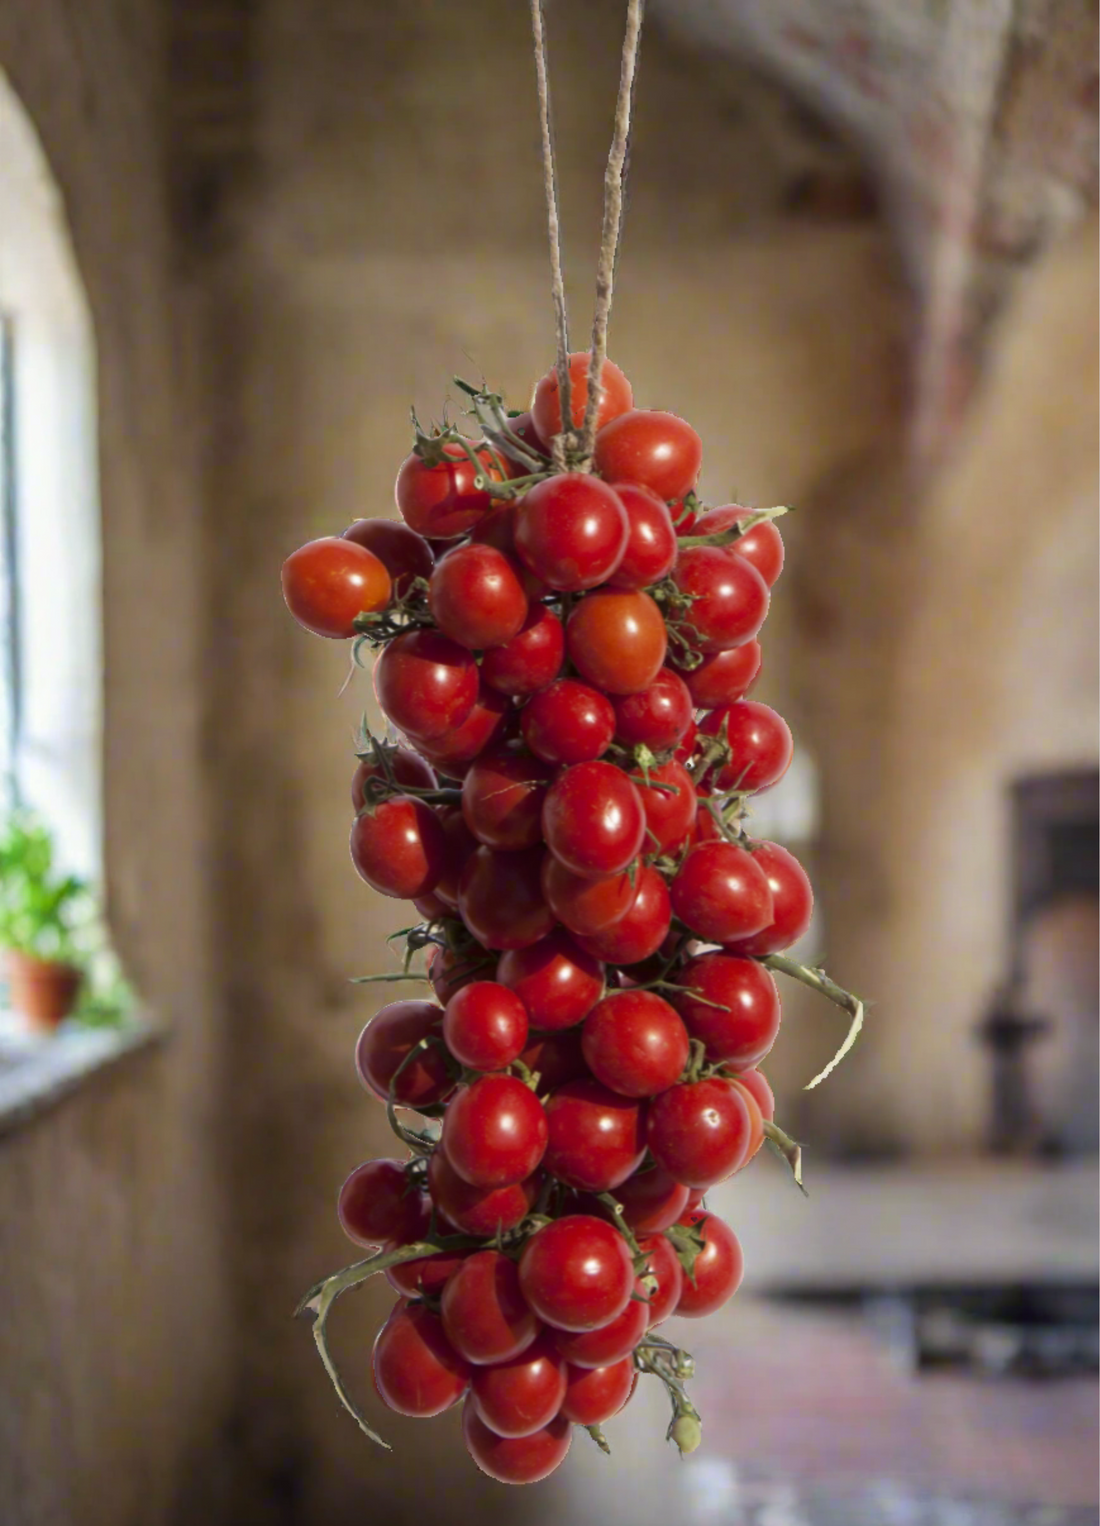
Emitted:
pixel 721 894
pixel 531 660
pixel 792 897
pixel 662 1263
pixel 386 1041
pixel 328 582
pixel 596 1136
pixel 756 1121
pixel 440 502
pixel 729 597
pixel 724 677
pixel 718 1268
pixel 761 746
pixel 657 717
pixel 651 1200
pixel 616 639
pixel 425 683
pixel 556 1057
pixel 485 1025
pixel 417 1371
pixel 758 1085
pixel 651 544
pixel 398 847
pixel 699 1131
pixel 670 810
pixel 405 766
pixel 377 1202
pixel 494 1132
pixel 480 1211
pixel 582 905
pixel 486 725
pixel 502 797
pixel 652 449
pixel 516 1460
pixel 500 899
pixel 644 928
pixel 594 1394
pixel 762 545
pixel 576 1273
pixel 611 1342
pixel 635 1043
pixel 523 1393
pixel 569 722
pixel 616 396
pixel 485 1316
pixel 404 554
pixel 571 531
pixel 459 843
pixel 557 981
pixel 426 1276
pixel 737 1011
pixel 593 819
pixel 476 597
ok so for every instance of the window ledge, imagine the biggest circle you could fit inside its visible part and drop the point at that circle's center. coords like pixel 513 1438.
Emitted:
pixel 38 1070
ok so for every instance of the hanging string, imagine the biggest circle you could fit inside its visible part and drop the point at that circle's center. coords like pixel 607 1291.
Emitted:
pixel 550 181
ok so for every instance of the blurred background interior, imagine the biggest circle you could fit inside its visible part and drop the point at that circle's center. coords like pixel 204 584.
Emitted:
pixel 237 239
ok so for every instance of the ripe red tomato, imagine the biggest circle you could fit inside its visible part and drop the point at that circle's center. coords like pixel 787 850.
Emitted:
pixel 404 554
pixel 617 396
pixel 384 1044
pixel 330 581
pixel 478 1210
pixel 635 1043
pixel 594 1394
pixel 670 811
pixel 724 677
pixel 651 1200
pixel 425 683
pixel 450 970
pixel 425 1277
pixel 568 723
pixel 459 843
pixel 699 1131
pixel 440 502
pixel 586 906
pixel 487 724
pixel 652 449
pixel 398 847
pixel 657 717
pixel 762 545
pixel 729 597
pixel 500 899
pixel 416 1369
pixel 616 639
pixel 721 893
pixel 476 597
pixel 485 1025
pixel 502 798
pixel 406 767
pixel 494 1132
pixel 651 543
pixel 596 1137
pixel 756 1122
pixel 571 531
pixel 531 660
pixel 718 1268
pixel 663 1263
pixel 761 746
pixel 378 1203
pixel 757 1084
pixel 611 1342
pixel 556 1057
pixel 485 1316
pixel 593 819
pixel 792 897
pixel 555 979
pixel 576 1273
pixel 642 931
pixel 521 1395
pixel 732 1004
pixel 516 1460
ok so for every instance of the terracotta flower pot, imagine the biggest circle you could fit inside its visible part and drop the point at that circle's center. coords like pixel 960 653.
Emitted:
pixel 41 990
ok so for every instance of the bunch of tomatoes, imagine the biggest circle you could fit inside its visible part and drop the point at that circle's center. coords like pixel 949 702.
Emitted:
pixel 564 654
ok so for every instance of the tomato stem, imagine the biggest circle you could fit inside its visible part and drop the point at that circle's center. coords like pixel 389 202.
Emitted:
pixel 817 980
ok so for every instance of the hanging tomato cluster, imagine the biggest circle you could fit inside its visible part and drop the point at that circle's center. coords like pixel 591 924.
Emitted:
pixel 564 655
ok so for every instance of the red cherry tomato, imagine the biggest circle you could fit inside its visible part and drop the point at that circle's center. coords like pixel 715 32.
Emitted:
pixel 440 501
pixel 568 723
pixel 328 582
pixel 485 1025
pixel 426 1276
pixel 642 931
pixel 593 819
pixel 426 684
pixel 378 1203
pixel 404 554
pixel 760 744
pixel 670 802
pixel 500 899
pixel 405 766
pixel 519 1396
pixel 757 1084
pixel 663 1263
pixel 586 906
pixel 476 597
pixel 531 660
pixel 657 717
pixel 485 1316
pixel 398 847
pixel 729 597
pixel 651 543
pixel 485 726
pixel 555 979
pixel 494 1132
pixel 762 545
pixel 724 677
pixel 616 396
pixel 449 970
pixel 793 899
pixel 556 1057
pixel 611 1342
pixel 635 1043
pixel 616 639
pixel 416 1369
pixel 596 1137
pixel 718 1268
pixel 502 798
pixel 459 843
pixel 653 449
pixel 721 893
pixel 651 1200
pixel 386 1041
pixel 571 531
pixel 516 1460
pixel 594 1394
pixel 699 1131
pixel 576 1273
pixel 756 1122
pixel 478 1210
pixel 732 1005
pixel 430 907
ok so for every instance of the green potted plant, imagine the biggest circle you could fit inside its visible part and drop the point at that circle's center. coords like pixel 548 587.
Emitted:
pixel 41 914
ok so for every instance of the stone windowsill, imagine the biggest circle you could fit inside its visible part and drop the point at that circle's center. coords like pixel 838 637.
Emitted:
pixel 38 1070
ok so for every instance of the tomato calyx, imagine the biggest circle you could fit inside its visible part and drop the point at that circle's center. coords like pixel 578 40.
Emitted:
pixel 496 425
pixel 673 1367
